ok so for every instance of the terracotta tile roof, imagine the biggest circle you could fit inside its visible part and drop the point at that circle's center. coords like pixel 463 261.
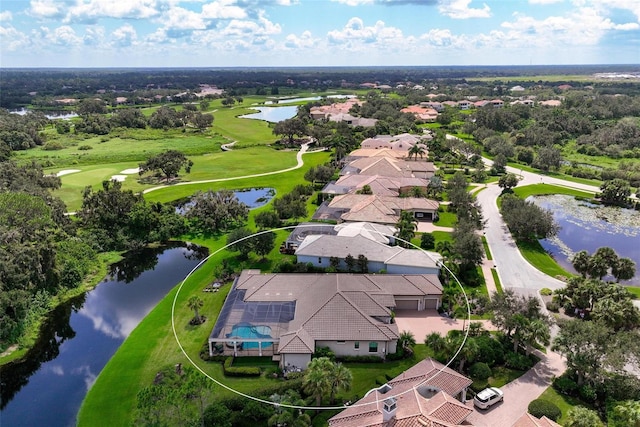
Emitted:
pixel 297 342
pixel 528 420
pixel 417 404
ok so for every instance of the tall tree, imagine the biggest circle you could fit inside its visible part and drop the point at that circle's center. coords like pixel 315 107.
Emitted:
pixel 580 262
pixel 508 181
pixel 406 226
pixel 340 378
pixel 195 303
pixel 615 192
pixel 624 269
pixel 211 212
pixel 417 150
pixel 290 128
pixel 316 382
pixel 169 163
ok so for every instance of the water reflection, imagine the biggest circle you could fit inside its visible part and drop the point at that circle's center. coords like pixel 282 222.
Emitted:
pixel 82 335
pixel 585 226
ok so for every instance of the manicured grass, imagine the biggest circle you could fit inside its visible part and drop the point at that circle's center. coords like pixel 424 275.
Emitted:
pixel 542 189
pixel 565 403
pixel 635 290
pixel 446 219
pixel 487 251
pixel 442 236
pixel 496 279
pixel 536 256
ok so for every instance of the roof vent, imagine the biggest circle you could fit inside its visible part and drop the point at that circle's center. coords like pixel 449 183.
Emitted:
pixel 389 407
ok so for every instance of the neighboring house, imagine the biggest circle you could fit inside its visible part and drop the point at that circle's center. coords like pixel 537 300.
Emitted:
pixel 326 111
pixel 376 209
pixel 362 153
pixel 390 167
pixel 551 103
pixel 421 112
pixel 352 120
pixel 401 142
pixel 497 103
pixel 527 102
pixel 379 185
pixel 464 105
pixel 421 396
pixel 288 316
pixel 377 232
pixel 318 250
pixel 528 420
pixel 482 103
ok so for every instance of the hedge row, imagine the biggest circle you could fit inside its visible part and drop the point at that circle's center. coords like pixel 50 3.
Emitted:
pixel 241 371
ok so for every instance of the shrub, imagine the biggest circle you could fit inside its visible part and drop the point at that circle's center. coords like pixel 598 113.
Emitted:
pixel 85 147
pixel 543 408
pixel 381 380
pixel 553 306
pixel 359 359
pixel 490 351
pixel 324 352
pixel 51 146
pixel 241 371
pixel 517 361
pixel 546 291
pixel 587 393
pixel 565 385
pixel 480 371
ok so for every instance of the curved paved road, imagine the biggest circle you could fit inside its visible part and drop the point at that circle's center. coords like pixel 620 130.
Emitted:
pixel 304 148
pixel 514 271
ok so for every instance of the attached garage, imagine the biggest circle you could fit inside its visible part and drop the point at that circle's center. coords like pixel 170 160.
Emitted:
pixel 431 303
pixel 407 304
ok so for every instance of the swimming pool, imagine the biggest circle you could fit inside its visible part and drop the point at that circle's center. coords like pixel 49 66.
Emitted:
pixel 247 330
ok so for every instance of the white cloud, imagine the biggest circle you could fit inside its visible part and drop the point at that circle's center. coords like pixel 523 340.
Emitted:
pixel 243 28
pixel 65 35
pixel 585 26
pixel 223 9
pixel 12 39
pixel 459 9
pixel 305 41
pixel 545 1
pixel 178 18
pixel 6 16
pixel 95 9
pixel 632 6
pixel 46 8
pixel 440 38
pixel 93 36
pixel 354 2
pixel 125 36
pixel 356 32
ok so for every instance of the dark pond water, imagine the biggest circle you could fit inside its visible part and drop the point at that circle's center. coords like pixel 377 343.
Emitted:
pixel 589 227
pixel 48 387
pixel 252 197
pixel 272 114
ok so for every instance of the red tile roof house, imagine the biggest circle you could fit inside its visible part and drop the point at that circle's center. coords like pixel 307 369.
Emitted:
pixel 288 316
pixel 389 167
pixel 379 185
pixel 422 396
pixel 401 142
pixel 528 420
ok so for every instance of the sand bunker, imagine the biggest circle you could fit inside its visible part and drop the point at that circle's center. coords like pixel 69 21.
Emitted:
pixel 120 178
pixel 67 172
pixel 130 171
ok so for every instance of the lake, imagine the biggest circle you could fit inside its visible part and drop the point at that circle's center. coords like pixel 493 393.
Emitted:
pixel 310 98
pixel 589 226
pixel 51 115
pixel 79 338
pixel 272 114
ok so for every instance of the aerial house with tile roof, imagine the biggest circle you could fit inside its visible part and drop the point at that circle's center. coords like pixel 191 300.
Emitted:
pixel 288 316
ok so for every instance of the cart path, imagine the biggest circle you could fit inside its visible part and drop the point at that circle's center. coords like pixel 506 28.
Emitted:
pixel 304 148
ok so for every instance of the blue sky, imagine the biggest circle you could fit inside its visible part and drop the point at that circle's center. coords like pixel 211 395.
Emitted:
pixel 227 33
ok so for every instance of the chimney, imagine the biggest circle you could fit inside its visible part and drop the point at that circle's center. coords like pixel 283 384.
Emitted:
pixel 389 407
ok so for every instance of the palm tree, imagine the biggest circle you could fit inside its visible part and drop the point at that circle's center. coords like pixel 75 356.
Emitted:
pixel 406 341
pixel 435 342
pixel 316 382
pixel 340 378
pixel 407 226
pixel 537 333
pixel 580 262
pixel 289 417
pixel 417 150
pixel 195 303
pixel 624 269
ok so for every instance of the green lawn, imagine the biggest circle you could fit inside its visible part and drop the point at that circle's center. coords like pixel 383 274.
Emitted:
pixel 543 189
pixel 536 256
pixel 496 279
pixel 446 219
pixel 565 403
pixel 487 251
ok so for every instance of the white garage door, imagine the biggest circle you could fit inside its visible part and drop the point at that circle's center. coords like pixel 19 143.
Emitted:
pixel 431 304
pixel 407 304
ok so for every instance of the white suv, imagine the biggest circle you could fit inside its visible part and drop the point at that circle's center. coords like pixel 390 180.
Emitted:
pixel 488 397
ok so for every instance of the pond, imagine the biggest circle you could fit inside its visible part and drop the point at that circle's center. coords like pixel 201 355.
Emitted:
pixel 79 338
pixel 252 197
pixel 51 115
pixel 589 226
pixel 310 98
pixel 272 114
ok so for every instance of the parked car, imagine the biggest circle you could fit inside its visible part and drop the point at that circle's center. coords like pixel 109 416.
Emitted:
pixel 488 397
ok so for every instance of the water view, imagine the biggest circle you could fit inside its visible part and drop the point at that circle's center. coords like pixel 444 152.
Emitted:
pixel 47 388
pixel 255 197
pixel 51 115
pixel 272 114
pixel 310 98
pixel 588 226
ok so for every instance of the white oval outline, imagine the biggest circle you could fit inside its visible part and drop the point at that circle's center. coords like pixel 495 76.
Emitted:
pixel 314 408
